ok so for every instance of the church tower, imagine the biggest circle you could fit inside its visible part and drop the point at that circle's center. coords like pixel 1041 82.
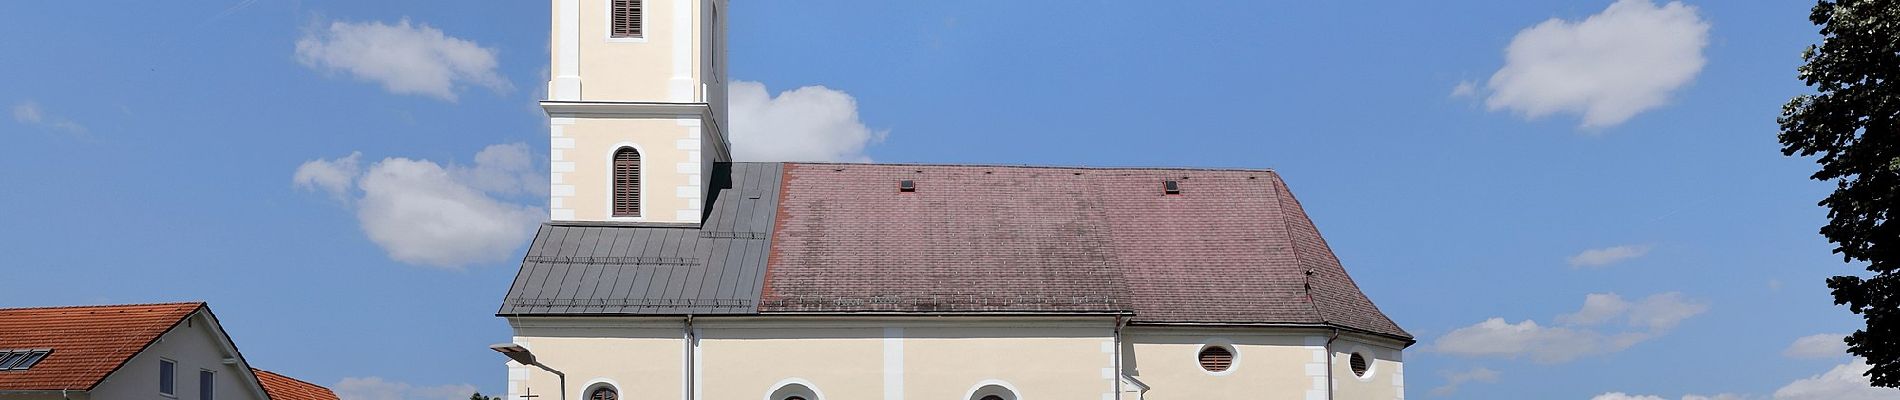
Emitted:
pixel 636 108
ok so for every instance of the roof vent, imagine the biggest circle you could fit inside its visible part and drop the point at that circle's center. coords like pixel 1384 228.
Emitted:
pixel 1171 187
pixel 906 186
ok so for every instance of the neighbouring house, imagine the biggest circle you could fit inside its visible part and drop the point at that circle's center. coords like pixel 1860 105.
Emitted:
pixel 133 351
pixel 670 271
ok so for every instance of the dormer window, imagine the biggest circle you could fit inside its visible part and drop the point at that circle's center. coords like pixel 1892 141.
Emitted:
pixel 626 201
pixel 627 20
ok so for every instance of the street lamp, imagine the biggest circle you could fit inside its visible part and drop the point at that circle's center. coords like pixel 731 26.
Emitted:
pixel 523 356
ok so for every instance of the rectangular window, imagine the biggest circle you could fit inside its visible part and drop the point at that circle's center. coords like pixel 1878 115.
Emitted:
pixel 626 18
pixel 204 385
pixel 167 384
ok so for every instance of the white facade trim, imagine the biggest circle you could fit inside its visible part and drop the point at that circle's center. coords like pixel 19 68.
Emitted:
pixel 1316 368
pixel 1372 362
pixel 1220 342
pixel 800 382
pixel 625 109
pixel 596 383
pixel 567 78
pixel 680 89
pixel 1009 391
pixel 894 363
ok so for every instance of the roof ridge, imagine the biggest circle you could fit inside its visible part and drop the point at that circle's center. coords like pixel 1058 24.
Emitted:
pixel 180 303
pixel 1105 168
pixel 1281 192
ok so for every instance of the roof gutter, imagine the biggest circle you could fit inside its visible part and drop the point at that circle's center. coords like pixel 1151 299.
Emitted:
pixel 33 392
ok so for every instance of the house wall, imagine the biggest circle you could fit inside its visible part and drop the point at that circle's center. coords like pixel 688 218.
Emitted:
pixel 1275 362
pixel 937 358
pixel 195 345
pixel 582 149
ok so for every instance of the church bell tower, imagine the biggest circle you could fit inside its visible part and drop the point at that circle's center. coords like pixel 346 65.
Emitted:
pixel 636 108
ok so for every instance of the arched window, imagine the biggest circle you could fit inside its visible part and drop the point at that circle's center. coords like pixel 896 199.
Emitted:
pixel 603 393
pixel 793 389
pixel 626 182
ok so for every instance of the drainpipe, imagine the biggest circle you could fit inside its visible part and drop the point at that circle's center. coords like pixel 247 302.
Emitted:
pixel 692 342
pixel 1119 321
pixel 1329 363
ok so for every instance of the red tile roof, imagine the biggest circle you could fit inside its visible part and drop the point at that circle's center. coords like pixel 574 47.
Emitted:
pixel 280 387
pixel 88 342
pixel 1232 248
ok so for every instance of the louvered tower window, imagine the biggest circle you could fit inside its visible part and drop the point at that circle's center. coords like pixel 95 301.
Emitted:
pixel 1216 358
pixel 1358 364
pixel 626 182
pixel 626 19
pixel 603 394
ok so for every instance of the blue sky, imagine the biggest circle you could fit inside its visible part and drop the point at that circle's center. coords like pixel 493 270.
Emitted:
pixel 149 151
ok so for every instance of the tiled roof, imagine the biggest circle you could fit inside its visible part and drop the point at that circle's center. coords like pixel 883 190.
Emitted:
pixel 280 387
pixel 88 342
pixel 1233 247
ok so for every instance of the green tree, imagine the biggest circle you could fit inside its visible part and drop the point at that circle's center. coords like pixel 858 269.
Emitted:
pixel 1853 122
pixel 479 396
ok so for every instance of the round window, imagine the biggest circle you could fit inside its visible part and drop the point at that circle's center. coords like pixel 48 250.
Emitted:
pixel 1359 365
pixel 1216 358
pixel 603 394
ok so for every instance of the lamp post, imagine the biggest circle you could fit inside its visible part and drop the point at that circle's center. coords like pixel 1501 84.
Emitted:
pixel 523 356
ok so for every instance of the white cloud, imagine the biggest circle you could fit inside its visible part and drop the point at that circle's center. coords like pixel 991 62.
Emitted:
pixel 1455 379
pixel 1621 396
pixel 1607 68
pixel 811 123
pixel 332 176
pixel 423 213
pixel 1464 89
pixel 1844 382
pixel 1824 345
pixel 1496 338
pixel 1606 256
pixel 1660 312
pixel 376 388
pixel 30 113
pixel 405 58
pixel 1646 319
pixel 1597 308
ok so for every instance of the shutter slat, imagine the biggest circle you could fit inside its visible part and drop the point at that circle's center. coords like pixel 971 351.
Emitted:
pixel 626 183
pixel 627 19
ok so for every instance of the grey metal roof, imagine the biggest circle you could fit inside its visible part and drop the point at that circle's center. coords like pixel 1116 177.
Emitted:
pixel 717 267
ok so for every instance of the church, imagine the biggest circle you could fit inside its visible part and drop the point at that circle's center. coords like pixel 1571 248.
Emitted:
pixel 669 271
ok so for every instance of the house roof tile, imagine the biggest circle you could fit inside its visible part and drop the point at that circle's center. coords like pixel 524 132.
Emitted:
pixel 280 387
pixel 87 342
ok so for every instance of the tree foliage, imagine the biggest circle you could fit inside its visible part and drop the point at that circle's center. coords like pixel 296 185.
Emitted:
pixel 479 396
pixel 1851 122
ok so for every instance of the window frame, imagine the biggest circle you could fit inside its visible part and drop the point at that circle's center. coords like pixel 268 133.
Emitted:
pixel 1372 362
pixel 607 15
pixel 1233 363
pixel 167 376
pixel 640 200
pixel 207 382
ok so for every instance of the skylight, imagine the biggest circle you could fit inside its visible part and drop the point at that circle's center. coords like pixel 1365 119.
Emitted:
pixel 20 360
